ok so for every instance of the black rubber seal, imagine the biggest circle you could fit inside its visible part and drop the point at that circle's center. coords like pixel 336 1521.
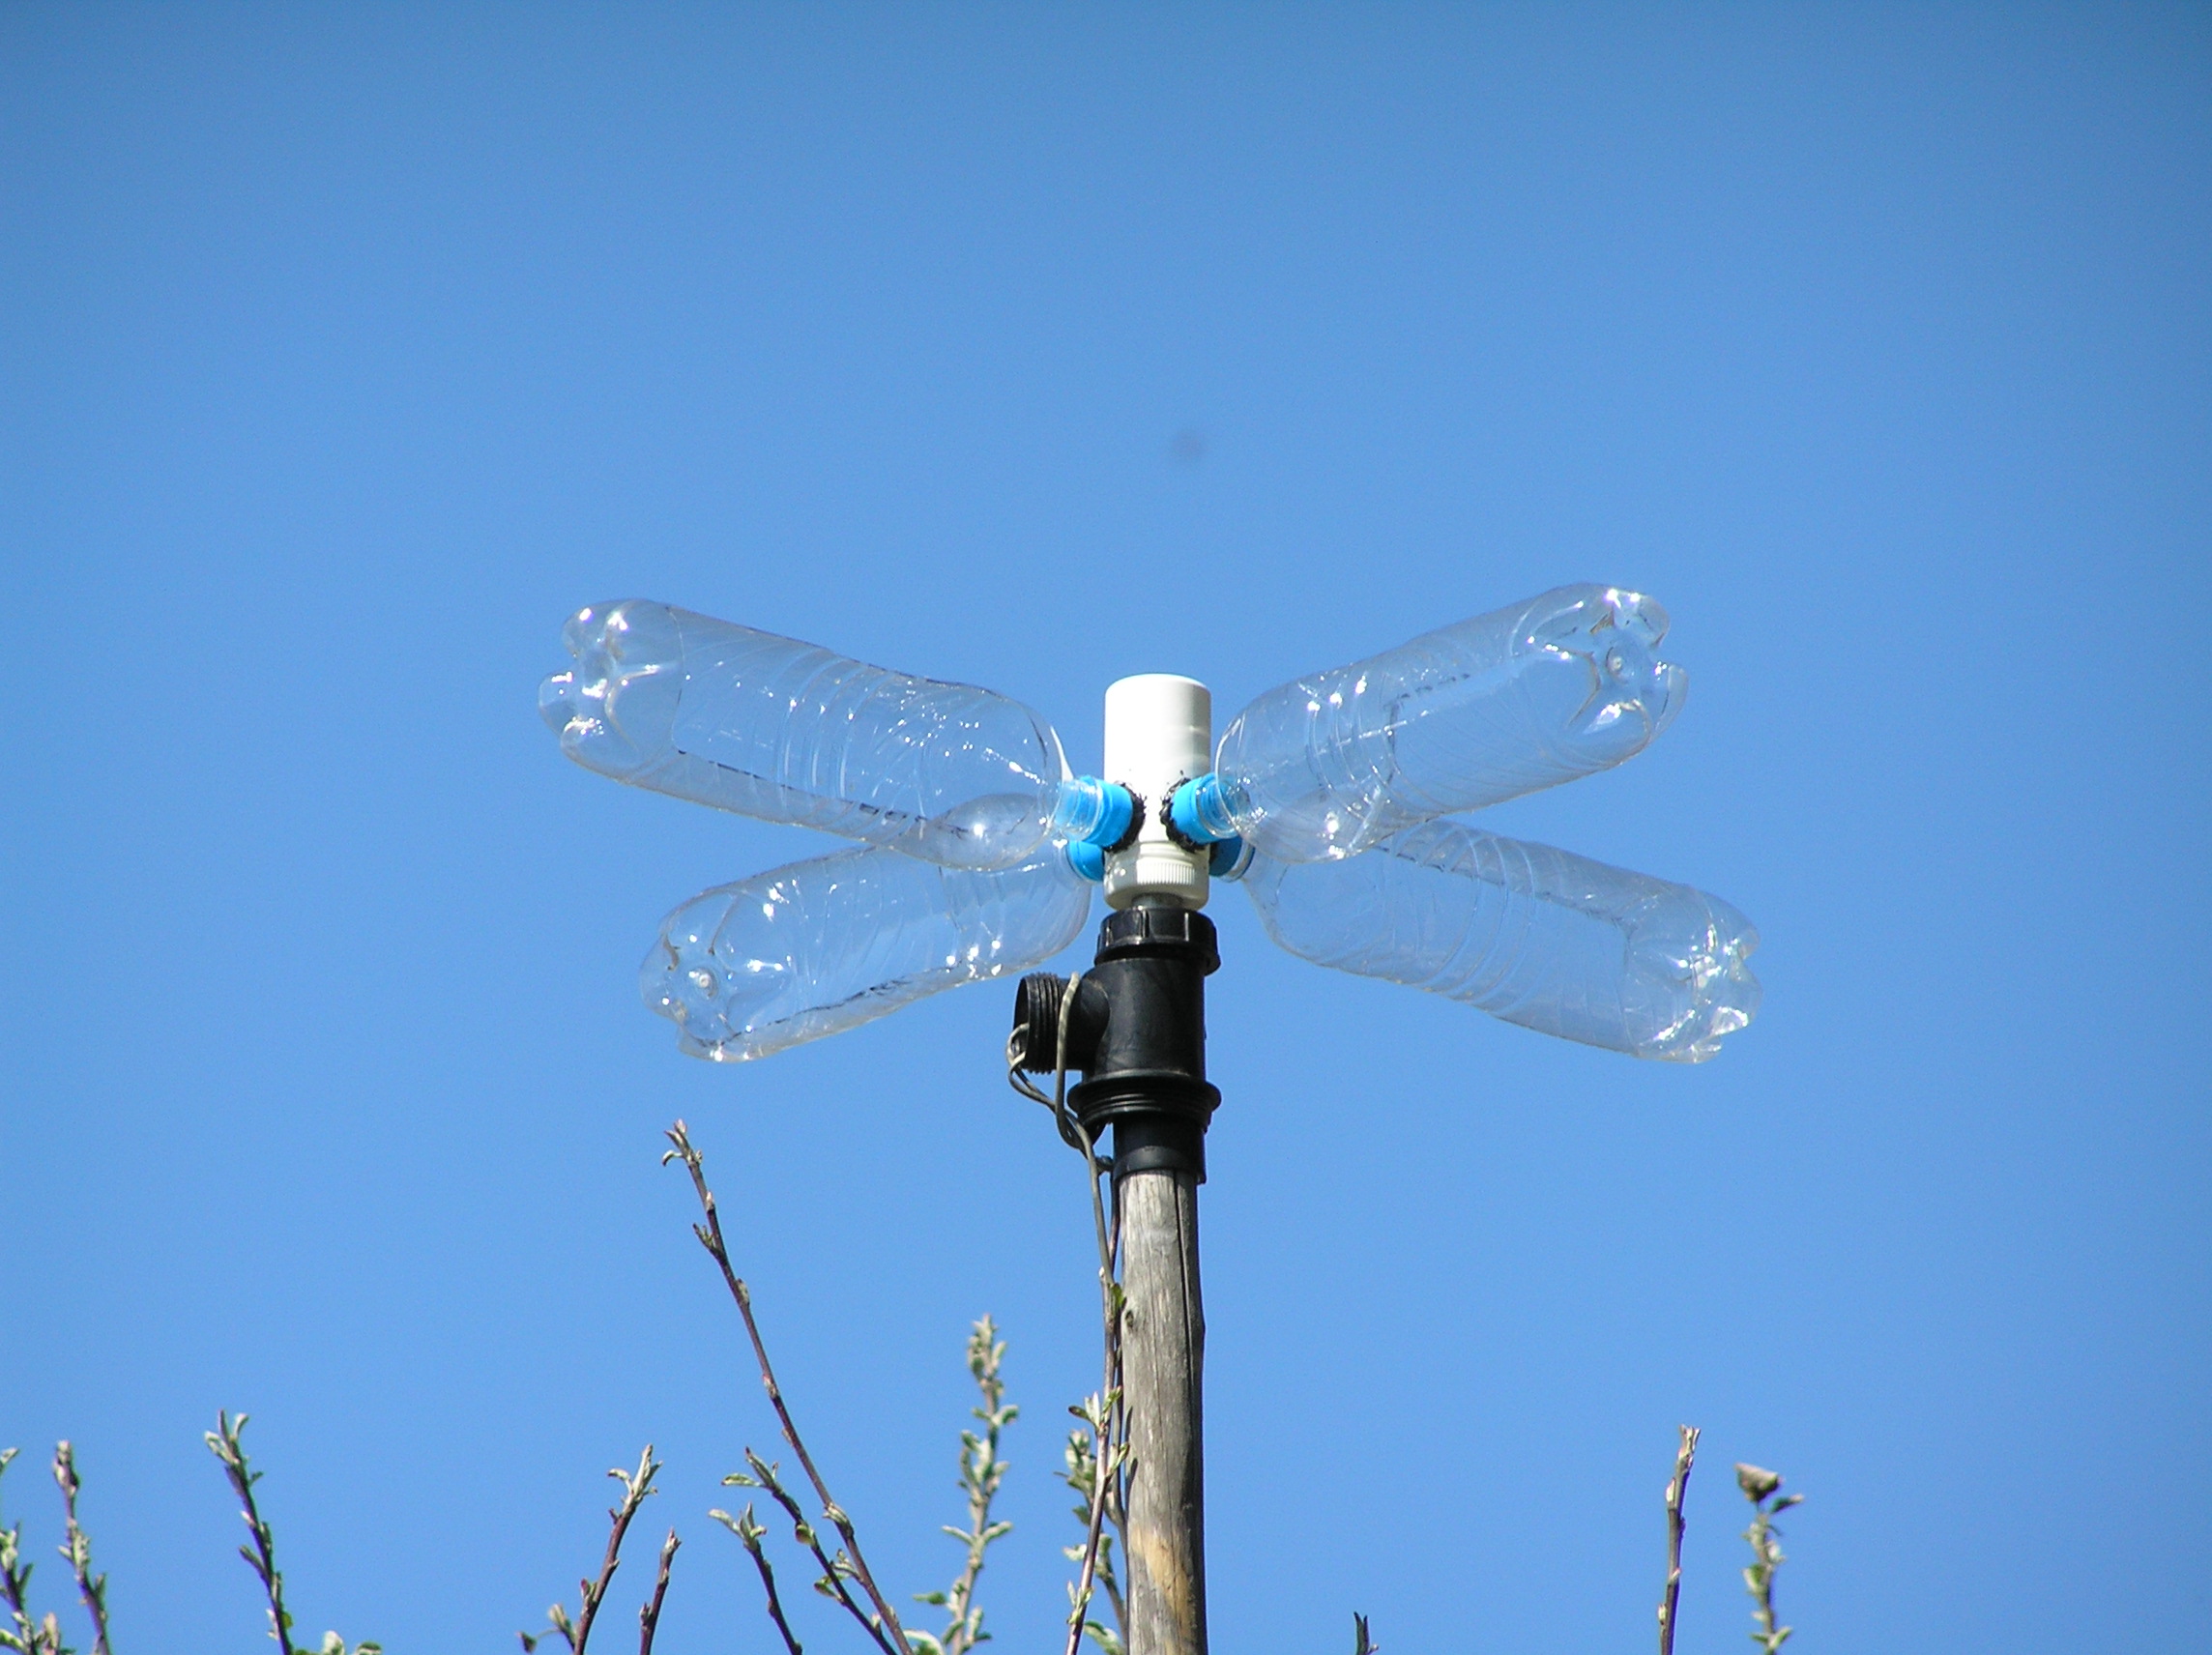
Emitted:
pixel 1135 821
pixel 1175 835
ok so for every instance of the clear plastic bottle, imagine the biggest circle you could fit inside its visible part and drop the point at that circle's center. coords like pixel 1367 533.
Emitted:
pixel 1469 715
pixel 770 727
pixel 1542 938
pixel 820 946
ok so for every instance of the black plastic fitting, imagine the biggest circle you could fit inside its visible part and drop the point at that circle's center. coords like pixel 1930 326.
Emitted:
pixel 1136 1028
pixel 1037 1002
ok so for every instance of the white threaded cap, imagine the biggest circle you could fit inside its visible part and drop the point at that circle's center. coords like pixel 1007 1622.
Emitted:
pixel 1159 732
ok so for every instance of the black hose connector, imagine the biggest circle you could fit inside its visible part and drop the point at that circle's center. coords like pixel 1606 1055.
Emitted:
pixel 1037 1002
pixel 1136 1030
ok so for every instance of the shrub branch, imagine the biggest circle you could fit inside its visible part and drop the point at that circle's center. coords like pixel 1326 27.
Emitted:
pixel 637 1487
pixel 1761 1488
pixel 226 1441
pixel 981 1472
pixel 649 1615
pixel 746 1527
pixel 1685 1456
pixel 76 1549
pixel 710 1237
pixel 29 1637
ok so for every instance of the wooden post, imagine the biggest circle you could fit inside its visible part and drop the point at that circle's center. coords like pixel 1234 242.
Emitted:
pixel 1163 1361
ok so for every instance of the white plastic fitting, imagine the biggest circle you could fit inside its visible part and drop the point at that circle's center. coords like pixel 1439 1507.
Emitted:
pixel 1159 732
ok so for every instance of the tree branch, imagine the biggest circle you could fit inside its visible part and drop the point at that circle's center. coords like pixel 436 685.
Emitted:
pixel 636 1487
pixel 831 1583
pixel 635 1491
pixel 711 1237
pixel 748 1530
pixel 1685 1456
pixel 648 1617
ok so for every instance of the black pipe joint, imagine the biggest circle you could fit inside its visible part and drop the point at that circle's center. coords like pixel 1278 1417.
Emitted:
pixel 1136 1028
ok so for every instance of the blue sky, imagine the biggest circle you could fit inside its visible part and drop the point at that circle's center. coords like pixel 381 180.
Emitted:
pixel 344 351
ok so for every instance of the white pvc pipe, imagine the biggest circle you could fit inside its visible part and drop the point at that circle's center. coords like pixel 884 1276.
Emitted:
pixel 1159 733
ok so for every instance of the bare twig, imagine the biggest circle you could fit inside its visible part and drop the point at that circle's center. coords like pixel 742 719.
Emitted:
pixel 1760 1487
pixel 748 1530
pixel 835 1570
pixel 649 1615
pixel 1685 1456
pixel 636 1487
pixel 77 1548
pixel 710 1237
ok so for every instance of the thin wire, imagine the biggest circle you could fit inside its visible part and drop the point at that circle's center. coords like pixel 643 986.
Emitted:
pixel 1018 1053
pixel 1113 1431
pixel 1059 1112
pixel 1111 1469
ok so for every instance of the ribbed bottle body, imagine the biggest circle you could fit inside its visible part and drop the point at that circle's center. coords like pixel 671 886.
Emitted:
pixel 770 727
pixel 1535 936
pixel 819 946
pixel 1471 714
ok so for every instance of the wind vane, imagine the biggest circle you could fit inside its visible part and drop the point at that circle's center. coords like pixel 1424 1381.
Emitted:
pixel 1329 799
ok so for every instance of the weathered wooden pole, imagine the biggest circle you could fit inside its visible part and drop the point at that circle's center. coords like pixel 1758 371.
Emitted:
pixel 1136 1028
pixel 1163 1364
